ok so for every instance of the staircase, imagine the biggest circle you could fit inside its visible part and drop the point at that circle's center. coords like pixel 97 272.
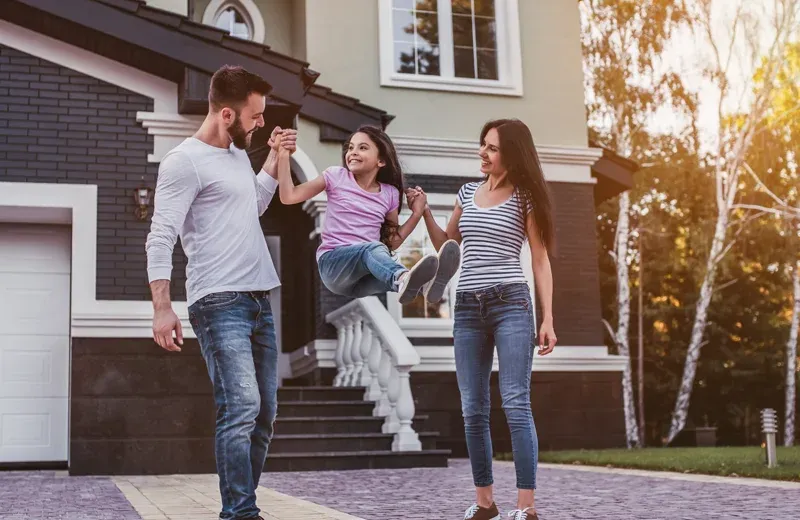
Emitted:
pixel 332 428
pixel 366 419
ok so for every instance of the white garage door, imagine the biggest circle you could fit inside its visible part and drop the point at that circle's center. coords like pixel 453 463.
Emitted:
pixel 34 342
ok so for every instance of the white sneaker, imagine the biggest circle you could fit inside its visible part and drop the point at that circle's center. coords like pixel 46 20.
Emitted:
pixel 422 272
pixel 449 262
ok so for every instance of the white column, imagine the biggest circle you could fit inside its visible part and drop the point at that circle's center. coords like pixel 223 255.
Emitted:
pixel 405 439
pixel 364 375
pixel 373 393
pixel 392 422
pixel 346 358
pixel 382 406
pixel 337 381
pixel 355 352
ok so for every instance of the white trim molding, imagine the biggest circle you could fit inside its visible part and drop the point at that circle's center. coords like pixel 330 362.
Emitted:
pixel 320 353
pixel 455 157
pixel 76 204
pixel 168 130
pixel 247 8
pixel 509 54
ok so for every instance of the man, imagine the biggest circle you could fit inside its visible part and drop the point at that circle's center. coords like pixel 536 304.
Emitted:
pixel 207 194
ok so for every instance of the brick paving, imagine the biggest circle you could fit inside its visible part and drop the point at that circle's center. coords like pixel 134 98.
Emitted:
pixel 51 495
pixel 562 494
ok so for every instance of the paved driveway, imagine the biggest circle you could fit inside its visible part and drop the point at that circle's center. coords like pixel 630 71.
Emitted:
pixel 562 494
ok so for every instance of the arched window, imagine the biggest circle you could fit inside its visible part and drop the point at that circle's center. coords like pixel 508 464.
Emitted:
pixel 232 20
pixel 240 18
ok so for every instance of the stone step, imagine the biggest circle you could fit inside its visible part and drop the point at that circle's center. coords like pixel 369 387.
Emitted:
pixel 325 408
pixel 320 393
pixel 347 460
pixel 331 425
pixel 327 442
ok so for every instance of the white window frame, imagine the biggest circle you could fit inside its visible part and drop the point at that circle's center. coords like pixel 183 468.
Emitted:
pixel 509 54
pixel 249 10
pixel 441 206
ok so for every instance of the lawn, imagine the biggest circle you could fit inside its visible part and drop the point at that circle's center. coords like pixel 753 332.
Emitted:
pixel 728 461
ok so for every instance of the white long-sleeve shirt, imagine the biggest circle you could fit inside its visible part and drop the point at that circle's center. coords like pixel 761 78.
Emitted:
pixel 210 198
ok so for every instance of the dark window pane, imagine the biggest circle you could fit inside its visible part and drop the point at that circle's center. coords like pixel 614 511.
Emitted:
pixel 403 4
pixel 428 60
pixel 485 36
pixel 404 58
pixel 462 30
pixel 428 5
pixel 427 28
pixel 463 61
pixel 487 65
pixel 403 22
pixel 484 8
pixel 462 7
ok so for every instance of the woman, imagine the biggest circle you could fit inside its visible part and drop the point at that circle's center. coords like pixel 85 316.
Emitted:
pixel 492 219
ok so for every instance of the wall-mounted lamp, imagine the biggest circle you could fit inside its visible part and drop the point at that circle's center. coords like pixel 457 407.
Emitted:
pixel 142 197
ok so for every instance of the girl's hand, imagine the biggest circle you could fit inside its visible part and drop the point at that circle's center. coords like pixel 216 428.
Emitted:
pixel 547 338
pixel 418 202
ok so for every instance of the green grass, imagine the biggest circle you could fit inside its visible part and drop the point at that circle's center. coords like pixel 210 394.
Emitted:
pixel 727 461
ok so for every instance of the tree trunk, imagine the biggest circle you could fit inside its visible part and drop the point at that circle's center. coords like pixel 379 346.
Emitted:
pixel 791 361
pixel 700 318
pixel 624 317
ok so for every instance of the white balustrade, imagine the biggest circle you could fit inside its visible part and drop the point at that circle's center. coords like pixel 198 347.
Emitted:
pixel 373 352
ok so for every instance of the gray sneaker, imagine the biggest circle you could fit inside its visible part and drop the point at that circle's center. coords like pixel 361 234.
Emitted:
pixel 422 272
pixel 475 512
pixel 449 262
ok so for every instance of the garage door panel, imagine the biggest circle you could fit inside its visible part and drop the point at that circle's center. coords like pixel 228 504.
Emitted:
pixel 36 249
pixel 32 366
pixel 34 343
pixel 33 429
pixel 34 304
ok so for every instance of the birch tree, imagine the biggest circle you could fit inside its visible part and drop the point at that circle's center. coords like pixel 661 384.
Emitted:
pixel 622 42
pixel 736 53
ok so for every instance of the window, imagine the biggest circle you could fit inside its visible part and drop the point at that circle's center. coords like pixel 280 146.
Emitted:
pixel 417 245
pixel 240 18
pixel 232 20
pixel 460 45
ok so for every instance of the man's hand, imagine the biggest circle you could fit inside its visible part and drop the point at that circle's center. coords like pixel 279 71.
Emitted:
pixel 285 138
pixel 165 321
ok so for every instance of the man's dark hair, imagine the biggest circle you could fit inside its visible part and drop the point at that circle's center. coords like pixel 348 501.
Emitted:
pixel 232 85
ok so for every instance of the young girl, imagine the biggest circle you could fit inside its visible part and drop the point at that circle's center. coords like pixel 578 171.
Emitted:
pixel 492 219
pixel 361 223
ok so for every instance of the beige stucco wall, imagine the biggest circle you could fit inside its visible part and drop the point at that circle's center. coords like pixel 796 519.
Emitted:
pixel 176 6
pixel 323 154
pixel 278 18
pixel 553 101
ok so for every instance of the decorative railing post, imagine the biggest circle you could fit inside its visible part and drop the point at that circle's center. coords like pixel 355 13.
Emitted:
pixel 372 351
pixel 392 423
pixel 346 356
pixel 382 406
pixel 405 439
pixel 355 352
pixel 338 357
pixel 373 392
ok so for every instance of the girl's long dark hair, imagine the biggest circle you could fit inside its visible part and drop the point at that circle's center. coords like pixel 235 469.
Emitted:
pixel 390 173
pixel 521 160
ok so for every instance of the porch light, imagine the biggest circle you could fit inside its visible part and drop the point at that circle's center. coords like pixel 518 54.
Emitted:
pixel 142 196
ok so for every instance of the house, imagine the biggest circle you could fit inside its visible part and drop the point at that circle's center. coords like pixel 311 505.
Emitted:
pixel 93 93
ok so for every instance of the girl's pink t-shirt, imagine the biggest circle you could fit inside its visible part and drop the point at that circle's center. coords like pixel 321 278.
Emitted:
pixel 353 216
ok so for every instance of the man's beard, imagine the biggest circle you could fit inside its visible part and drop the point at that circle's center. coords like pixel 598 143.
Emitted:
pixel 240 138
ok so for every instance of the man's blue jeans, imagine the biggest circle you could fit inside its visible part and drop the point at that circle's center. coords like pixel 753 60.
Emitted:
pixel 359 270
pixel 236 332
pixel 503 316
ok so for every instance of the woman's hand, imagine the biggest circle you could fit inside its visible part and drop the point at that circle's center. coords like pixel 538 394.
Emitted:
pixel 547 338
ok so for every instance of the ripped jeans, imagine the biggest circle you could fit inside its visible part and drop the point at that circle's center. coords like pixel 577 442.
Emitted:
pixel 236 332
